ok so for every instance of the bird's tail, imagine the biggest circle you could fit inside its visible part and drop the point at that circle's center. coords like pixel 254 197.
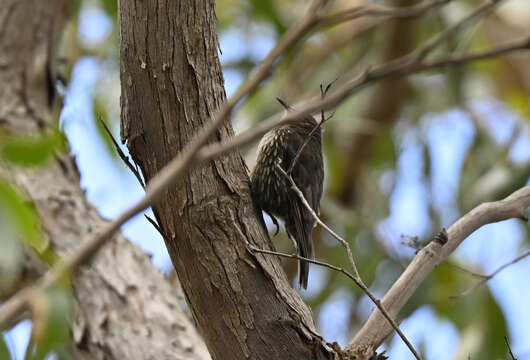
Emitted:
pixel 300 228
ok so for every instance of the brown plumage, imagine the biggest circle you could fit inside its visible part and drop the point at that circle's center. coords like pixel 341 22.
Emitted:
pixel 272 191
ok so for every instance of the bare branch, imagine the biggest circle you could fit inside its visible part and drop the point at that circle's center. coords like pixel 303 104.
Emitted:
pixel 343 242
pixel 486 7
pixel 509 348
pixel 376 329
pixel 380 12
pixel 122 156
pixel 155 225
pixel 308 137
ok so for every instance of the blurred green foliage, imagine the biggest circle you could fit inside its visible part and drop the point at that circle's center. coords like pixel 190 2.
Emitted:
pixel 4 351
pixel 26 151
pixel 52 313
pixel 22 216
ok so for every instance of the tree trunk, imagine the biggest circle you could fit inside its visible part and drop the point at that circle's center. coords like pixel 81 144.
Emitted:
pixel 125 308
pixel 172 83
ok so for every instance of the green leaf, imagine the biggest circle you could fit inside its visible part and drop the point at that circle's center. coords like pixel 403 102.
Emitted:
pixel 477 310
pixel 52 312
pixel 518 101
pixel 4 351
pixel 111 8
pixel 384 152
pixel 73 8
pixel 101 111
pixel 10 254
pixel 22 216
pixel 31 151
pixel 25 221
pixel 266 10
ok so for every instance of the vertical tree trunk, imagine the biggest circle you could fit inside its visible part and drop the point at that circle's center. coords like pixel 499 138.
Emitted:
pixel 125 308
pixel 171 85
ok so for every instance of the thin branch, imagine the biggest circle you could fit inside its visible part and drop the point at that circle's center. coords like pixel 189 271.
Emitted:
pixel 375 330
pixel 310 135
pixel 194 155
pixel 486 278
pixel 509 348
pixel 466 271
pixel 354 278
pixel 343 242
pixel 486 7
pixel 121 154
pixel 155 225
pixel 380 12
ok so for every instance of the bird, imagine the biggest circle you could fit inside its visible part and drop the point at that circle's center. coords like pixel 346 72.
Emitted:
pixel 272 191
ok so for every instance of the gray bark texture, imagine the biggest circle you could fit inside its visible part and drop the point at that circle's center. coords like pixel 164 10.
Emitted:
pixel 171 83
pixel 125 308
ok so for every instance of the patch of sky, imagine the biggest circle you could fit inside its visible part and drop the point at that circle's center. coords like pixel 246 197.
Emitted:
pixel 17 339
pixel 334 316
pixel 440 346
pixel 94 26
pixel 107 185
pixel 409 200
pixel 449 137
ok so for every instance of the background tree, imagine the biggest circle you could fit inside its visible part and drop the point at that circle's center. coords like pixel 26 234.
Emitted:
pixel 403 158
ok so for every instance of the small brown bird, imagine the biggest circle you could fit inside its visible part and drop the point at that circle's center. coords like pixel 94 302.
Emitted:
pixel 272 192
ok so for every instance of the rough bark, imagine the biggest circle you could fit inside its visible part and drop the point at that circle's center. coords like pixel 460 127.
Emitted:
pixel 125 308
pixel 171 84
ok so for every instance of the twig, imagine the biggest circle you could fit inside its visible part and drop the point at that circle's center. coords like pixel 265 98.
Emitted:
pixel 194 154
pixel 320 222
pixel 509 347
pixel 355 279
pixel 121 154
pixel 486 278
pixel 380 12
pixel 479 12
pixel 308 137
pixel 155 225
pixel 466 271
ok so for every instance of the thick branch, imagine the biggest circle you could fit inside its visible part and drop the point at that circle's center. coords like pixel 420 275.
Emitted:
pixel 376 329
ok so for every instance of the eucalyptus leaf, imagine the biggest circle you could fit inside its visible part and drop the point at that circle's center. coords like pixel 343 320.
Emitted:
pixel 22 216
pixel 27 151
pixel 52 313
